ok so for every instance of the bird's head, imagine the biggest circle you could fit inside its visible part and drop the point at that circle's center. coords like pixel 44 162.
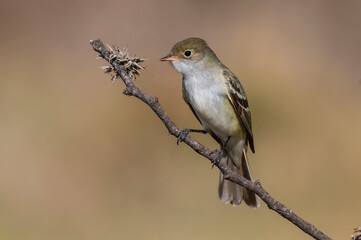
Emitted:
pixel 191 54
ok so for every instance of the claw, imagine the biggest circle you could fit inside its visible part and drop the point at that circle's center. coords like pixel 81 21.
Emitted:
pixel 182 135
pixel 220 153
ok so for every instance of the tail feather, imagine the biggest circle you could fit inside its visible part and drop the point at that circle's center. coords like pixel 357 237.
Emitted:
pixel 250 198
pixel 232 193
pixel 228 191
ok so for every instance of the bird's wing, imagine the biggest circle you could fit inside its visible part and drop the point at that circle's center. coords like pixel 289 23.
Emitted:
pixel 237 97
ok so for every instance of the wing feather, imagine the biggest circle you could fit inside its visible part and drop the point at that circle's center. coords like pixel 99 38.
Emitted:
pixel 238 98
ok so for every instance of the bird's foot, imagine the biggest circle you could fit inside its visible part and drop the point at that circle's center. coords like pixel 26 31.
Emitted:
pixel 184 133
pixel 220 152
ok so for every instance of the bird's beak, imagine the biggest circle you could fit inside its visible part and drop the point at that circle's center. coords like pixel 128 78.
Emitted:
pixel 169 58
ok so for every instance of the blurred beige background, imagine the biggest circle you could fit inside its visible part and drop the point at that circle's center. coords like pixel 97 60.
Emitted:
pixel 79 160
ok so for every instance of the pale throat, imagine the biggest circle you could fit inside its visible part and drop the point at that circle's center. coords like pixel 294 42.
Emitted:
pixel 187 67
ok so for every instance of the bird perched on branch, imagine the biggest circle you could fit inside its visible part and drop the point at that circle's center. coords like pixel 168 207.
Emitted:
pixel 218 100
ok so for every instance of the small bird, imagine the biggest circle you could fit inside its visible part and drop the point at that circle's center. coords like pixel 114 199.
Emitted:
pixel 218 100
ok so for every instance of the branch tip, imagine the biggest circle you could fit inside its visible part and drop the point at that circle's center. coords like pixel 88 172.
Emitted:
pixel 121 58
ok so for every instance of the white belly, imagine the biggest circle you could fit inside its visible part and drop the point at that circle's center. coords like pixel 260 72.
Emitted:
pixel 209 100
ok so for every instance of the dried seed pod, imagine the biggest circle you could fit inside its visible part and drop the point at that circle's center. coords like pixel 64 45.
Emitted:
pixel 131 65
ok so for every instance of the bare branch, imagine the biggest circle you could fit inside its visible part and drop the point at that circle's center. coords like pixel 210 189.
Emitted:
pixel 152 102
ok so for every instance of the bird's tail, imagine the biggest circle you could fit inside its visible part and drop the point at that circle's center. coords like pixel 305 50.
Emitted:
pixel 232 193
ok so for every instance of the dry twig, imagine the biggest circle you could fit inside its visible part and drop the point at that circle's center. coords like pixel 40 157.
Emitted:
pixel 356 234
pixel 131 90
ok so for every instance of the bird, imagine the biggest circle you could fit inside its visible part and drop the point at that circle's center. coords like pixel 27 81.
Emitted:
pixel 218 100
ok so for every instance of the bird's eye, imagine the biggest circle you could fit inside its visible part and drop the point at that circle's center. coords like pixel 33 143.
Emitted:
pixel 187 53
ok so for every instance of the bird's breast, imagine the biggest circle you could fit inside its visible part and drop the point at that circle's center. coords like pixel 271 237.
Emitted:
pixel 208 97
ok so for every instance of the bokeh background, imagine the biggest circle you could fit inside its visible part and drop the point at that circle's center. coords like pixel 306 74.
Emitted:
pixel 80 160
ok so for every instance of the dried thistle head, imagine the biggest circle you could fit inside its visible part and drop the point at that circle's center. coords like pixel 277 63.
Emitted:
pixel 357 234
pixel 131 65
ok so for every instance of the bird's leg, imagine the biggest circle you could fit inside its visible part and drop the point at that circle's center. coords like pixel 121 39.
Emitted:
pixel 183 133
pixel 225 144
pixel 220 152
